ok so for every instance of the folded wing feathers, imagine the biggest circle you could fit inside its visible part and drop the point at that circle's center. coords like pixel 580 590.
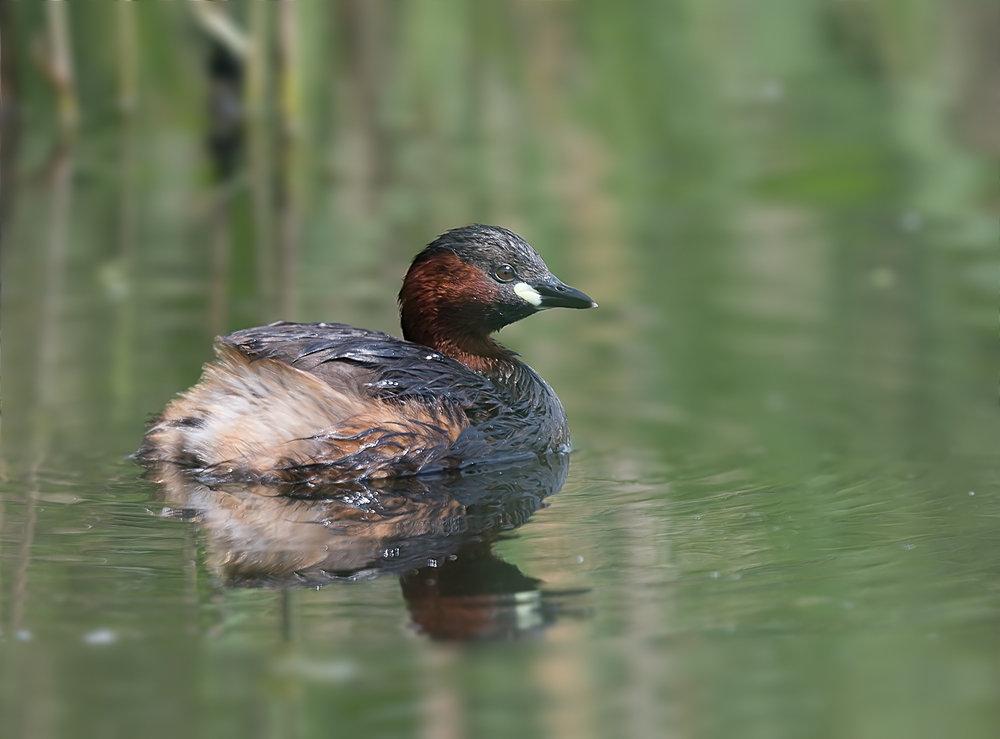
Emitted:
pixel 257 417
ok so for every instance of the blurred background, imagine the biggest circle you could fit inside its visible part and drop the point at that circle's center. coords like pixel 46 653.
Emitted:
pixel 781 518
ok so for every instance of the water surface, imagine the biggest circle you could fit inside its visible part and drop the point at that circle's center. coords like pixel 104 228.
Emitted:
pixel 781 515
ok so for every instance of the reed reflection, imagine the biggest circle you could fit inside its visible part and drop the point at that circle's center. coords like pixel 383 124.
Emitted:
pixel 435 533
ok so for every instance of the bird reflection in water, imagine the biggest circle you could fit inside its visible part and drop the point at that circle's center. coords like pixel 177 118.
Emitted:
pixel 435 533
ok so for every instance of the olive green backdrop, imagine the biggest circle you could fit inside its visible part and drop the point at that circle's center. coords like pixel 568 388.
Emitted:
pixel 781 519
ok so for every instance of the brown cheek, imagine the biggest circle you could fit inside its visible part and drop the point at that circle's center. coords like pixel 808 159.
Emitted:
pixel 452 282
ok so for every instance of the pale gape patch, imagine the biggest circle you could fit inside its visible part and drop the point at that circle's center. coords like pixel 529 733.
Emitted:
pixel 267 415
pixel 527 293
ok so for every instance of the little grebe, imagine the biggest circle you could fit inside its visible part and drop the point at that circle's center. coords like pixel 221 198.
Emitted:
pixel 326 402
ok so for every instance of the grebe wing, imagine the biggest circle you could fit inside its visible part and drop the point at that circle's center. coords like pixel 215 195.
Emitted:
pixel 401 371
pixel 385 367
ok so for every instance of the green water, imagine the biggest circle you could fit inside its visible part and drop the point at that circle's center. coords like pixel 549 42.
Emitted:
pixel 781 518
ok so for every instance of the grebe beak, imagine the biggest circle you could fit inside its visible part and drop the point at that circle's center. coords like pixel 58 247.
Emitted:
pixel 553 294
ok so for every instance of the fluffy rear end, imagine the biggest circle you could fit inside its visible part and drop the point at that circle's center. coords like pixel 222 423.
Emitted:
pixel 266 420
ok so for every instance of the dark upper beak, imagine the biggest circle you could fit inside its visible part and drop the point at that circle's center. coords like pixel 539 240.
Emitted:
pixel 557 295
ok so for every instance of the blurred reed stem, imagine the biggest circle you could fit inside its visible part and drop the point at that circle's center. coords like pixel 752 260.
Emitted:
pixel 123 287
pixel 191 626
pixel 8 110
pixel 221 238
pixel 289 69
pixel 19 585
pixel 60 63
pixel 257 58
pixel 47 379
pixel 127 57
pixel 215 22
pixel 259 147
pixel 3 481
pixel 289 162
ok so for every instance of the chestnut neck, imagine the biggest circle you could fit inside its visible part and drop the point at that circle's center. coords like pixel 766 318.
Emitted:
pixel 444 305
pixel 479 353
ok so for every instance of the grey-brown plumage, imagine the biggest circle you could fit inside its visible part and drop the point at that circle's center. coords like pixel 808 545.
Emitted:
pixel 327 402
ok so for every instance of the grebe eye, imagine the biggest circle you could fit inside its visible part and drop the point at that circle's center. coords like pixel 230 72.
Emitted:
pixel 505 273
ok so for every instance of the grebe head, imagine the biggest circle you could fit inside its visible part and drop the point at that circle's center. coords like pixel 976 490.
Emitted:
pixel 472 281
